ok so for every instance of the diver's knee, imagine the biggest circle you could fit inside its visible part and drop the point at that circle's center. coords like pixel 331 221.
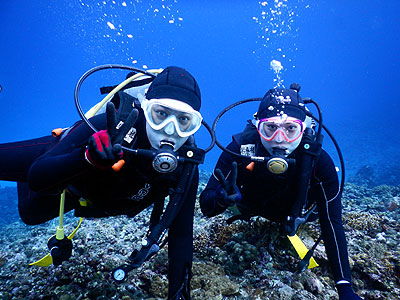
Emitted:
pixel 29 220
pixel 31 216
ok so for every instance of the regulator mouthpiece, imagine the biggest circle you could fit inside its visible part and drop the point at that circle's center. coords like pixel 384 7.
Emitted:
pixel 165 161
pixel 277 164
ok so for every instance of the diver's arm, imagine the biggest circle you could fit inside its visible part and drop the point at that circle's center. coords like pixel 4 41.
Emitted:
pixel 209 198
pixel 65 162
pixel 330 215
pixel 180 245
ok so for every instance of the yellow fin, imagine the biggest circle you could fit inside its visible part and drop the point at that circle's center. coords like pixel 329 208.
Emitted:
pixel 44 262
pixel 48 260
pixel 301 249
pixel 71 236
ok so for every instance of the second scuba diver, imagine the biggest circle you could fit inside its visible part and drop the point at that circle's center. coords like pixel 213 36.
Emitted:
pixel 279 131
pixel 81 163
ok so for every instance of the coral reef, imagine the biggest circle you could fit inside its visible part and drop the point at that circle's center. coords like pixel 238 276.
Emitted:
pixel 8 205
pixel 242 260
pixel 381 172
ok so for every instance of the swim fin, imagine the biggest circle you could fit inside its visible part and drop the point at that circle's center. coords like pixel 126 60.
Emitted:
pixel 43 262
pixel 301 249
pixel 48 260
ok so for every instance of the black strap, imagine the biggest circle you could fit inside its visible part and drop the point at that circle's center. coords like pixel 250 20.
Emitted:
pixel 176 201
pixel 309 151
pixel 305 262
pixel 156 213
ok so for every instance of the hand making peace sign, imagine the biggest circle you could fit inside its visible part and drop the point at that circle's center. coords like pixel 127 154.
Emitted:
pixel 104 147
pixel 228 191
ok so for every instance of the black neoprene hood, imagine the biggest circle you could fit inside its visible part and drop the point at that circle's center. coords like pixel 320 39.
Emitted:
pixel 176 83
pixel 281 101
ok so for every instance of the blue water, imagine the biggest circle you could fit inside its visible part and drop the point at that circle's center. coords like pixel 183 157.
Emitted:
pixel 343 53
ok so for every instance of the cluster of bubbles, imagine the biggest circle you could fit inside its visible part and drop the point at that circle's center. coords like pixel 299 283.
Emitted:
pixel 277 67
pixel 125 24
pixel 277 33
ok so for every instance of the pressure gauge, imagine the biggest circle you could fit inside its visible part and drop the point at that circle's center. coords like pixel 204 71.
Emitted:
pixel 119 274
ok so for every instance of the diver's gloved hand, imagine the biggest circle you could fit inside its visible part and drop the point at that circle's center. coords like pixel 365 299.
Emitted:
pixel 100 152
pixel 60 250
pixel 346 292
pixel 104 147
pixel 228 192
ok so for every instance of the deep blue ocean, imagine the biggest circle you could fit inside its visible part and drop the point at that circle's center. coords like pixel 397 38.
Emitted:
pixel 344 54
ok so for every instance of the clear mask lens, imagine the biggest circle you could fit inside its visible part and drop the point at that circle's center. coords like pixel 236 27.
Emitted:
pixel 161 112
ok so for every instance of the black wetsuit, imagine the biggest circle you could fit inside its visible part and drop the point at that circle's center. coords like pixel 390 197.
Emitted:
pixel 45 166
pixel 272 196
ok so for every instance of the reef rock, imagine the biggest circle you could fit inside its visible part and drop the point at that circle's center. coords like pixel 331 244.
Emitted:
pixel 239 261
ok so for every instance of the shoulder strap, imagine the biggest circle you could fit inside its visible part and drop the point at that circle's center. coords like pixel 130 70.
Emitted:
pixel 247 139
pixel 125 105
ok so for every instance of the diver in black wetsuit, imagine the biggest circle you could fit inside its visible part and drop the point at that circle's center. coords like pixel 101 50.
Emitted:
pixel 81 162
pixel 278 128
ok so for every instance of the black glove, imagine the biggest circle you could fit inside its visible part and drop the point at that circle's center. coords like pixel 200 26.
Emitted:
pixel 228 192
pixel 60 250
pixel 104 147
pixel 346 292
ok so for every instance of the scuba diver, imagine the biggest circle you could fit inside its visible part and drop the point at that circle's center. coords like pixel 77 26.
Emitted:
pixel 289 180
pixel 88 166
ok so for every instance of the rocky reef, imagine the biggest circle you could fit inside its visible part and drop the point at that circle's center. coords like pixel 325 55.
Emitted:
pixel 381 172
pixel 244 260
pixel 8 205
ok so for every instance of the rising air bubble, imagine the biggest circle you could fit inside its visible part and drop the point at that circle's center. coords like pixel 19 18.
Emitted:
pixel 276 65
pixel 111 25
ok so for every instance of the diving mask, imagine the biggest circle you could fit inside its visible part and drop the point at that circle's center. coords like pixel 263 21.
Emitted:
pixel 161 112
pixel 290 128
